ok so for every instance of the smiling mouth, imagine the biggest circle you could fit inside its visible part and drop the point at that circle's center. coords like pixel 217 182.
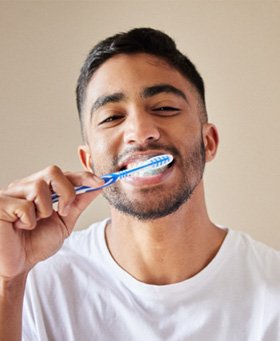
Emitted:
pixel 146 172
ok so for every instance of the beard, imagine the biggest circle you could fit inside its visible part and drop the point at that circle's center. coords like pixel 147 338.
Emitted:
pixel 156 202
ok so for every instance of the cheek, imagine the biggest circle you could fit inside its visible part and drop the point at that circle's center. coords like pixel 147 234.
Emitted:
pixel 99 142
pixel 184 136
pixel 103 151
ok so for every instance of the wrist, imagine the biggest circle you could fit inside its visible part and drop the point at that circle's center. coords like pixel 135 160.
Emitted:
pixel 11 288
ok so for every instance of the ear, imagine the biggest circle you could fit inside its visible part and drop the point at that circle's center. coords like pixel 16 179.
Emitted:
pixel 85 157
pixel 211 141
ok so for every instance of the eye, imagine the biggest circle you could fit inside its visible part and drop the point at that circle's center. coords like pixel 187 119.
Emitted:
pixel 111 119
pixel 166 110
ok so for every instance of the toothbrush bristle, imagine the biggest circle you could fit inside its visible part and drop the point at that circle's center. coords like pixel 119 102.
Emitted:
pixel 154 163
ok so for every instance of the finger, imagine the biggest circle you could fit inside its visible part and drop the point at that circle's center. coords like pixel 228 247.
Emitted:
pixel 76 178
pixel 57 182
pixel 78 206
pixel 80 179
pixel 21 213
pixel 84 179
pixel 63 184
pixel 38 192
pixel 82 200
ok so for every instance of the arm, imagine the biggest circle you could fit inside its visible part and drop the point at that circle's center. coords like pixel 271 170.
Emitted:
pixel 31 231
pixel 11 302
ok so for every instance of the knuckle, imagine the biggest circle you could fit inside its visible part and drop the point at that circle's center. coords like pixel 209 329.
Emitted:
pixel 27 205
pixel 39 185
pixel 53 170
pixel 32 223
pixel 46 213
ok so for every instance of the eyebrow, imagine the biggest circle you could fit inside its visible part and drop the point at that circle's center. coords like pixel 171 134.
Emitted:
pixel 160 88
pixel 103 100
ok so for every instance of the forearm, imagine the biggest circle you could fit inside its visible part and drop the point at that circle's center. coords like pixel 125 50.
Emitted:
pixel 11 303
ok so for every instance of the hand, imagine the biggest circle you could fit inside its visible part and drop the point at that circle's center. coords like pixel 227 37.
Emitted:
pixel 30 229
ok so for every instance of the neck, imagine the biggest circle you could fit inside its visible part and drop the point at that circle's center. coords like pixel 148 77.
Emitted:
pixel 166 250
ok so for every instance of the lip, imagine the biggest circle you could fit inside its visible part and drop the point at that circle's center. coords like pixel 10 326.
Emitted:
pixel 138 157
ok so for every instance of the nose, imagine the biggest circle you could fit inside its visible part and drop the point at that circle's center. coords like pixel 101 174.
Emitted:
pixel 140 128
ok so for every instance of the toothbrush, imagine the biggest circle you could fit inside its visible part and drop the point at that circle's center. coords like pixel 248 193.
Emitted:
pixel 152 163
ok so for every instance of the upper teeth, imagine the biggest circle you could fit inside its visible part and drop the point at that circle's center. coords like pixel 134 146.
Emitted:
pixel 144 172
pixel 149 172
pixel 133 164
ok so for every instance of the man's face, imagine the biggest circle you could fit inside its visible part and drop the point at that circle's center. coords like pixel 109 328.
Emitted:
pixel 137 106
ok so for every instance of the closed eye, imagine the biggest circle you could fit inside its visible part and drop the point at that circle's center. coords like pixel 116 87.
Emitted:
pixel 165 109
pixel 110 119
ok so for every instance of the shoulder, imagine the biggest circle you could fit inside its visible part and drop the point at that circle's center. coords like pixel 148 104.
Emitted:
pixel 261 252
pixel 258 257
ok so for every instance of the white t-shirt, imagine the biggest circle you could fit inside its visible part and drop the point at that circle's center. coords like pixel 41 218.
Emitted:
pixel 82 294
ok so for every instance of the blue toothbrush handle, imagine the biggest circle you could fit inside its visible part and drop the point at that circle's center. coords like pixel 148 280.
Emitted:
pixel 109 179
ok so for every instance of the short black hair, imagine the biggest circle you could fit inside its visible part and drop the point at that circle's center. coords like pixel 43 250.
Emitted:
pixel 138 40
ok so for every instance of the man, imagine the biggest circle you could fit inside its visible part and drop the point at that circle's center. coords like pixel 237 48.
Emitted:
pixel 158 269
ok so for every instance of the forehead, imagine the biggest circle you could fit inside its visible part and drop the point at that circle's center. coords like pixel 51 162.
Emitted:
pixel 129 73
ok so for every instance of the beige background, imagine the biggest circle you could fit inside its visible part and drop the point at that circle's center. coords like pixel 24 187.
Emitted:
pixel 235 45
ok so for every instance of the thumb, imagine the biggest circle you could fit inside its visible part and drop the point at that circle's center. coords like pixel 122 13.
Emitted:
pixel 81 202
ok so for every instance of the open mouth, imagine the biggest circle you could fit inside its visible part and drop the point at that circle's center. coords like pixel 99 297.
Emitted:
pixel 146 172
